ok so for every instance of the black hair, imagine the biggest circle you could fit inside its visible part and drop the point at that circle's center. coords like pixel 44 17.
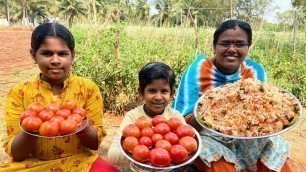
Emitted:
pixel 155 70
pixel 230 24
pixel 51 30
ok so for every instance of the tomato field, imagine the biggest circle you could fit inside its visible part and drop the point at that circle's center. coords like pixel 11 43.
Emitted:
pixel 16 65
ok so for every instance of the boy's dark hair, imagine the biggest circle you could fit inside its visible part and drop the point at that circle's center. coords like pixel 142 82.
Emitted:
pixel 155 70
pixel 230 24
pixel 51 30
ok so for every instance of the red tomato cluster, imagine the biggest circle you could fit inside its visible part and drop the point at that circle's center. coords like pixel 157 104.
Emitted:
pixel 52 119
pixel 159 141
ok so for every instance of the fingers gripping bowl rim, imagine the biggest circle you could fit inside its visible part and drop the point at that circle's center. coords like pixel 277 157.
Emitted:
pixel 287 127
pixel 172 165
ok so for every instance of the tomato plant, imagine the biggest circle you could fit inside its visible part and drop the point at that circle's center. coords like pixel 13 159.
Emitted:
pixel 159 157
pixel 141 153
pixel 31 124
pixel 130 143
pixel 49 128
pixel 131 130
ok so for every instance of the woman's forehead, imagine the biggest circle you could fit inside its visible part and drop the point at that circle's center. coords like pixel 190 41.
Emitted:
pixel 54 42
pixel 235 33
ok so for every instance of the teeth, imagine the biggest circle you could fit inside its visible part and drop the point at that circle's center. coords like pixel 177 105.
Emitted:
pixel 231 57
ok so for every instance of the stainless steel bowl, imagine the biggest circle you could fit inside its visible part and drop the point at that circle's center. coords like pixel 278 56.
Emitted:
pixel 172 165
pixel 299 116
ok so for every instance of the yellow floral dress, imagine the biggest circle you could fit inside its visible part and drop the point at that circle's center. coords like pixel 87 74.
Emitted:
pixel 54 154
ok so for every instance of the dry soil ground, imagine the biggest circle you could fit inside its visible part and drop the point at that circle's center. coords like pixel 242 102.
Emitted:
pixel 16 65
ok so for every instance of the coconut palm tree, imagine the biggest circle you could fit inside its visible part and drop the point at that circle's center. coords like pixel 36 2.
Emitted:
pixel 72 9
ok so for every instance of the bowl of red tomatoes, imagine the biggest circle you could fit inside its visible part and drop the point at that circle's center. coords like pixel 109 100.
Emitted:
pixel 53 120
pixel 159 143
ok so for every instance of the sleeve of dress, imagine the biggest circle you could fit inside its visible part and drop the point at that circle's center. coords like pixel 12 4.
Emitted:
pixel 261 73
pixel 13 108
pixel 187 92
pixel 114 153
pixel 94 107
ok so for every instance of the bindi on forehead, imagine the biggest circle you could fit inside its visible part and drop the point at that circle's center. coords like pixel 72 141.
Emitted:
pixel 235 28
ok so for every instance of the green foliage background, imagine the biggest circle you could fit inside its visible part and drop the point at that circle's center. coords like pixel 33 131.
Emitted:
pixel 118 77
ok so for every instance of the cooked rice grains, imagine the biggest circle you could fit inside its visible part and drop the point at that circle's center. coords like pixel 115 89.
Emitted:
pixel 247 108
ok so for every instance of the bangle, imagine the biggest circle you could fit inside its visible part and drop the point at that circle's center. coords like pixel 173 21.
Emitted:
pixel 83 132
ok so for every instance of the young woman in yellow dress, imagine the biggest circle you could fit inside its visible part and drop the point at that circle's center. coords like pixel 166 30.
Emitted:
pixel 52 48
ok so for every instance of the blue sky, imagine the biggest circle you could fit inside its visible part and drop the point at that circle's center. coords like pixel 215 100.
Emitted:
pixel 283 6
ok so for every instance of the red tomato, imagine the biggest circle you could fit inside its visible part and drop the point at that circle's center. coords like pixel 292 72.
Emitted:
pixel 172 138
pixel 49 128
pixel 53 106
pixel 147 132
pixel 158 119
pixel 178 154
pixel 185 130
pixel 57 119
pixel 156 137
pixel 161 128
pixel 37 107
pixel 159 157
pixel 163 144
pixel 131 130
pixel 82 112
pixel 45 115
pixel 189 143
pixel 31 124
pixel 77 118
pixel 27 113
pixel 143 122
pixel 141 153
pixel 68 126
pixel 63 113
pixel 145 141
pixel 69 104
pixel 130 143
pixel 174 122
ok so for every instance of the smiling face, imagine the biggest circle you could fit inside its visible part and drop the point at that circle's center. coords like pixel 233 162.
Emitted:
pixel 157 96
pixel 228 59
pixel 54 59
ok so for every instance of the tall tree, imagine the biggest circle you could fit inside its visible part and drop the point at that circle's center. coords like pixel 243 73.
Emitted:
pixel 24 4
pixel 143 11
pixel 252 11
pixel 72 9
pixel 8 12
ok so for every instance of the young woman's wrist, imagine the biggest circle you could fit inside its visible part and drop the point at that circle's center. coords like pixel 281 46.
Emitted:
pixel 84 131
